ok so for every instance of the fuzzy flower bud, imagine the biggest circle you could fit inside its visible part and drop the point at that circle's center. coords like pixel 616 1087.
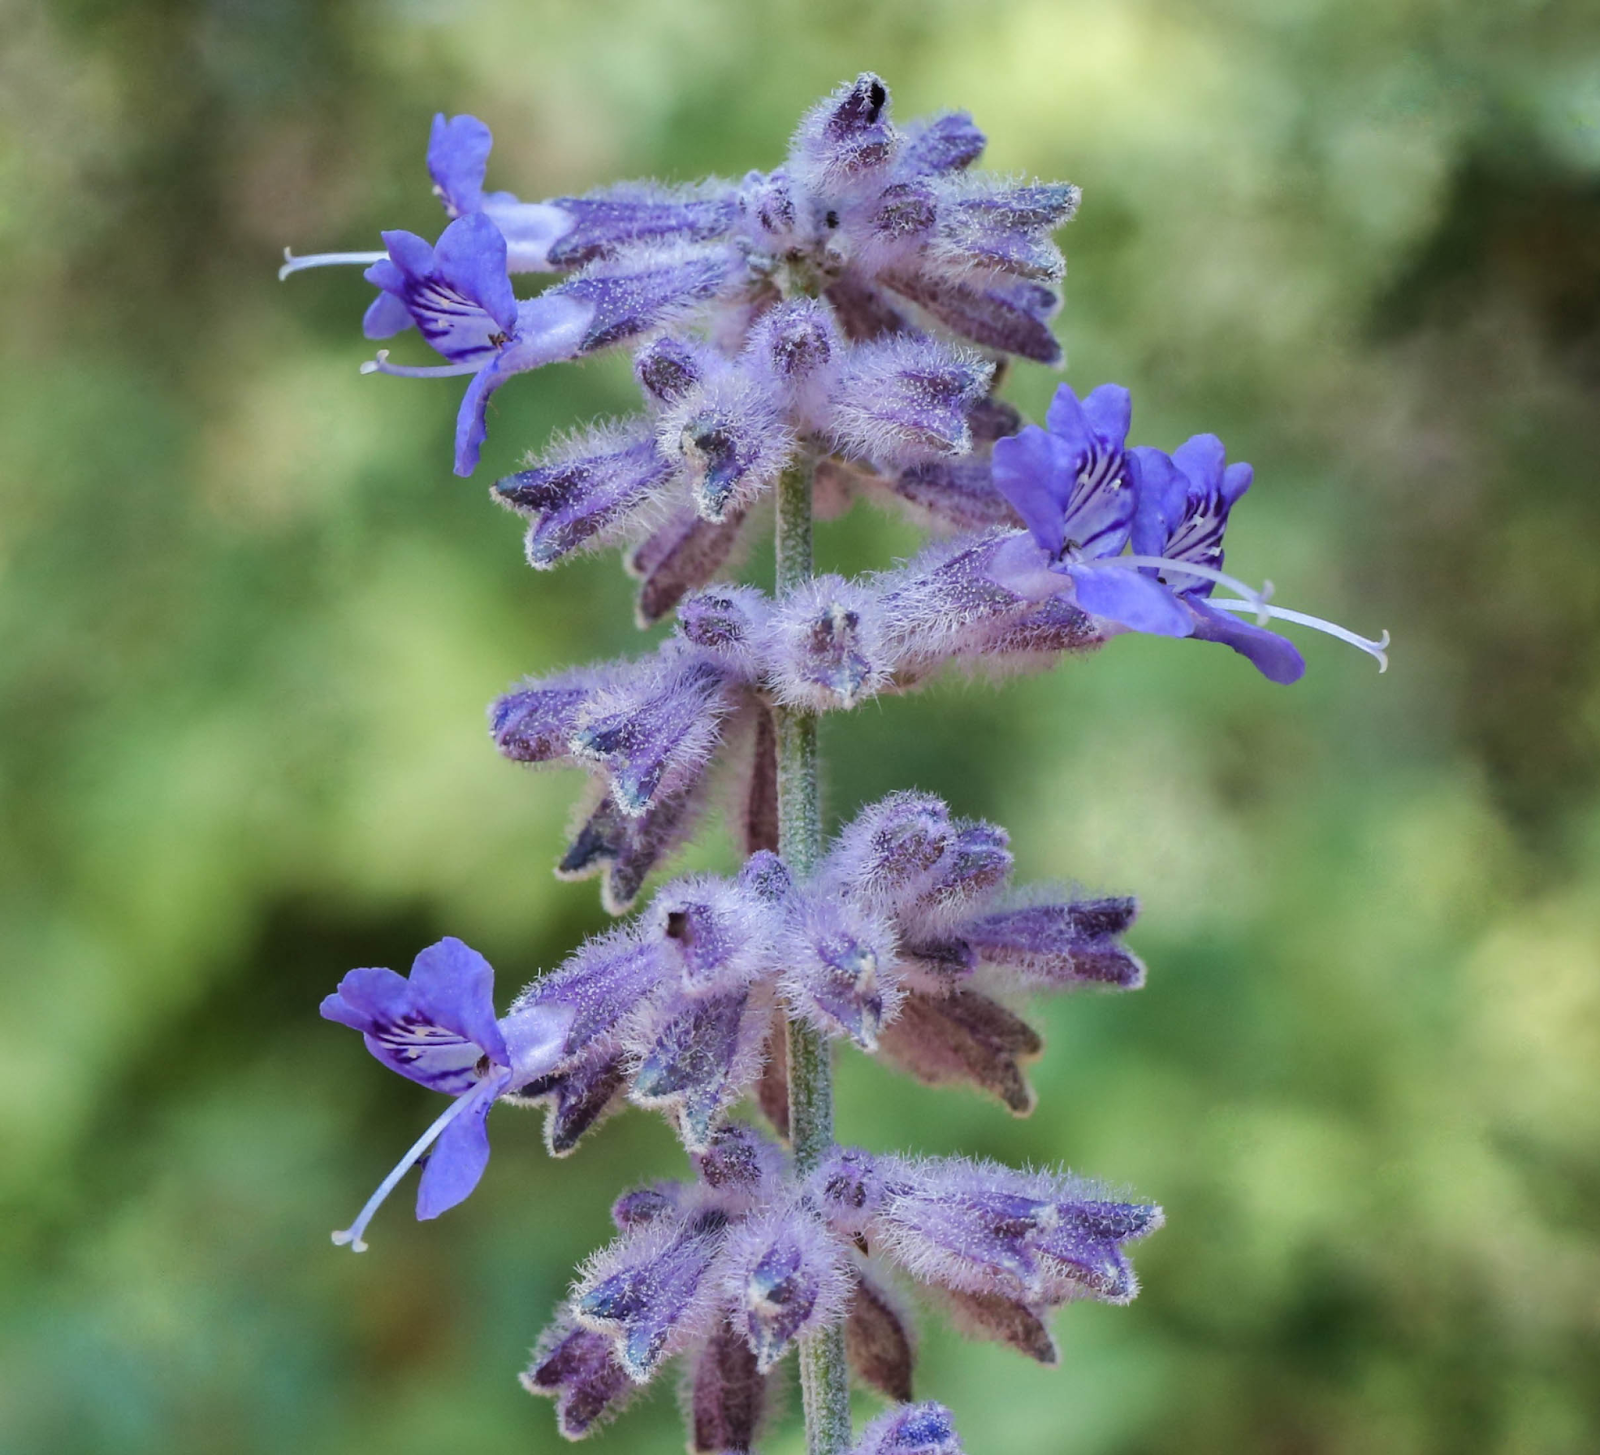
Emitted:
pixel 915 1429
pixel 582 493
pixel 786 1276
pixel 905 399
pixel 580 1371
pixel 823 646
pixel 979 1227
pixel 648 1292
pixel 839 970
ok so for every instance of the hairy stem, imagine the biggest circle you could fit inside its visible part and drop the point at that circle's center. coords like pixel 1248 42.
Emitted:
pixel 824 1381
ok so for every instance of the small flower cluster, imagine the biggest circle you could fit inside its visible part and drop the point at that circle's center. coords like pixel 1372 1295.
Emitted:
pixel 1004 599
pixel 732 1270
pixel 907 942
pixel 844 319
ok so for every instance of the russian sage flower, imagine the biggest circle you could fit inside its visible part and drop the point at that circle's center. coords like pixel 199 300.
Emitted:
pixel 1080 493
pixel 438 1027
pixel 458 294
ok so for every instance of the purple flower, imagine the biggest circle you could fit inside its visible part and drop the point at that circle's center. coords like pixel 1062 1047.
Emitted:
pixel 458 294
pixel 1072 485
pixel 1082 495
pixel 438 1027
pixel 1184 500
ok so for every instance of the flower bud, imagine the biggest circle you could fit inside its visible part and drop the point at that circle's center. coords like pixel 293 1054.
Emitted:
pixel 580 1371
pixel 648 1291
pixel 785 1277
pixel 913 1429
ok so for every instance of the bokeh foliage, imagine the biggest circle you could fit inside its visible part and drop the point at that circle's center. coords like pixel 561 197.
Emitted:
pixel 250 623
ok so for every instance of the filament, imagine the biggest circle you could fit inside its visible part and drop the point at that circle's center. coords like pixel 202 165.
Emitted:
pixel 292 264
pixel 381 365
pixel 1376 649
pixel 352 1234
pixel 1258 599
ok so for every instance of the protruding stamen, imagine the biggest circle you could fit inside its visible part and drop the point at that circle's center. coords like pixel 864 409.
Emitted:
pixel 352 1234
pixel 292 264
pixel 1258 599
pixel 381 365
pixel 1376 649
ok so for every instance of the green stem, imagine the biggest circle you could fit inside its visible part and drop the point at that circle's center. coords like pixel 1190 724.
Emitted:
pixel 824 1380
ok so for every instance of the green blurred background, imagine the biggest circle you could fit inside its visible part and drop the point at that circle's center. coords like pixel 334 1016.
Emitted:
pixel 250 623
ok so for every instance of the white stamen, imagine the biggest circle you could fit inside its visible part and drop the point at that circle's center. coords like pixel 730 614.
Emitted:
pixel 292 264
pixel 381 365
pixel 1258 599
pixel 1377 649
pixel 352 1234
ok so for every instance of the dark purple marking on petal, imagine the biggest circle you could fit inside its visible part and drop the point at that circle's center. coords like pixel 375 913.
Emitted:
pixel 433 1028
pixel 1036 470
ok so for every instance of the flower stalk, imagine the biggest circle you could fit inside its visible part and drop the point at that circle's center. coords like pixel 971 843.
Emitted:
pixel 824 1373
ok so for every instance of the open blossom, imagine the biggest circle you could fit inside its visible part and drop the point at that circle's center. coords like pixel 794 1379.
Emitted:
pixel 438 1027
pixel 1083 494
pixel 459 296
